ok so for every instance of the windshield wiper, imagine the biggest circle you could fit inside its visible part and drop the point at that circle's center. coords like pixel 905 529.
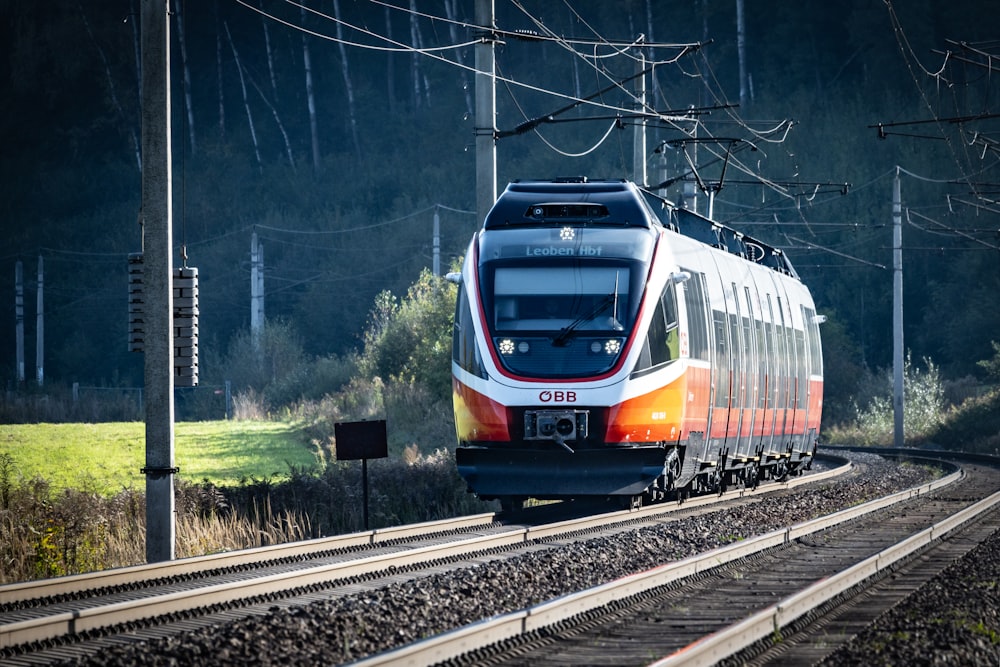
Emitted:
pixel 562 338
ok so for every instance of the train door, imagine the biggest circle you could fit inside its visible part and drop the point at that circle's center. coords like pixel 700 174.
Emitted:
pixel 737 373
pixel 759 369
pixel 773 377
pixel 785 370
pixel 697 332
pixel 748 372
pixel 814 374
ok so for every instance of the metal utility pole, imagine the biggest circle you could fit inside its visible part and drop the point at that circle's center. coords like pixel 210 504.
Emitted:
pixel 158 342
pixel 486 105
pixel 40 327
pixel 897 313
pixel 639 138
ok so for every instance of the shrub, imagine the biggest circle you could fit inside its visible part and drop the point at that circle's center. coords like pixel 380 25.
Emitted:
pixel 923 406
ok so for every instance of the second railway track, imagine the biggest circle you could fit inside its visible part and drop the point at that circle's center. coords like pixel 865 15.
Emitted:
pixel 202 621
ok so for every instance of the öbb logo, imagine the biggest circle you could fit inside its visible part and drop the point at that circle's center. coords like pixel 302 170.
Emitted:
pixel 557 396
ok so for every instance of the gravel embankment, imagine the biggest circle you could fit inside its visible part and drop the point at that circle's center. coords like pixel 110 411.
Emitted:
pixel 348 628
pixel 954 619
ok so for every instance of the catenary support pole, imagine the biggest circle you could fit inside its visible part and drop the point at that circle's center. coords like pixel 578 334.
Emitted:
pixel 437 243
pixel 40 326
pixel 639 138
pixel 158 262
pixel 897 314
pixel 256 291
pixel 486 102
pixel 19 320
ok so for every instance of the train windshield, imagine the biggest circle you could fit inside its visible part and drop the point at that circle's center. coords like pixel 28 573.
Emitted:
pixel 561 320
pixel 561 299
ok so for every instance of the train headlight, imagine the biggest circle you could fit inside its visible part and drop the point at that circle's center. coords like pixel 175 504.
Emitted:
pixel 509 346
pixel 612 346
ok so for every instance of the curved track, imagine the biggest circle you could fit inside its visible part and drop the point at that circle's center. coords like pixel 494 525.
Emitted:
pixel 75 616
pixel 789 597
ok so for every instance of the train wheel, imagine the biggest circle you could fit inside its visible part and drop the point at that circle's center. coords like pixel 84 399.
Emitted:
pixel 629 502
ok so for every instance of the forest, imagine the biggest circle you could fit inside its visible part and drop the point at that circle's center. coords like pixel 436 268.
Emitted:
pixel 336 131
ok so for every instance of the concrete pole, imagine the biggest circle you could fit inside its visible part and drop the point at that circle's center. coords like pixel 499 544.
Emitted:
pixel 256 311
pixel 19 320
pixel 639 138
pixel 437 243
pixel 158 290
pixel 897 314
pixel 486 104
pixel 40 327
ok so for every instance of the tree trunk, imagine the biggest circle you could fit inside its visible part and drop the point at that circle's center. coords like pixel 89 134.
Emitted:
pixel 741 48
pixel 277 120
pixel 451 11
pixel 650 39
pixel 218 73
pixel 112 91
pixel 246 102
pixel 348 86
pixel 178 10
pixel 390 66
pixel 268 52
pixel 310 100
pixel 421 93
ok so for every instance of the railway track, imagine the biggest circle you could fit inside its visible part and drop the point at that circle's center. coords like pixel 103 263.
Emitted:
pixel 72 617
pixel 788 597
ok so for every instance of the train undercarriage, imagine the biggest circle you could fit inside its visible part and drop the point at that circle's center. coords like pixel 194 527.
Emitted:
pixel 630 477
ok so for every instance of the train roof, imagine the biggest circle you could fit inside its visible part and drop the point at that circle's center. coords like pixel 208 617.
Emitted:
pixel 620 203
pixel 556 202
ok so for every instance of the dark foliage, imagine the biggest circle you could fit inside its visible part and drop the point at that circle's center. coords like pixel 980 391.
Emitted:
pixel 349 215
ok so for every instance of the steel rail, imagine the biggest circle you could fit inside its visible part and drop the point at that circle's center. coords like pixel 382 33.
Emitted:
pixel 488 632
pixel 103 579
pixel 724 643
pixel 51 626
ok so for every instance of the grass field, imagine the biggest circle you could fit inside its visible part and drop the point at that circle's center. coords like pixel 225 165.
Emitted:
pixel 105 458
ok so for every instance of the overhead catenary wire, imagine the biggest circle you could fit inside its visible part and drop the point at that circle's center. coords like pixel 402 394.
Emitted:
pixel 406 48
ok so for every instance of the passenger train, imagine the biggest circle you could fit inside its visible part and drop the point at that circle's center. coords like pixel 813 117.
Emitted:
pixel 608 343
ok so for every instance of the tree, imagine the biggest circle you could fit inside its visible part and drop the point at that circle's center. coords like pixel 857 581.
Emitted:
pixel 411 341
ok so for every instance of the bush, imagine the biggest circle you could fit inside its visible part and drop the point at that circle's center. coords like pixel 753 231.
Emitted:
pixel 974 426
pixel 410 342
pixel 923 407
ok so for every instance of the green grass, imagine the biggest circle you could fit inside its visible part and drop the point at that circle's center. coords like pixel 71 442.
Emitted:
pixel 106 458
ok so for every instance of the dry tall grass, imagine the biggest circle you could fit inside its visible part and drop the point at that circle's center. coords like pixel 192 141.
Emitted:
pixel 45 534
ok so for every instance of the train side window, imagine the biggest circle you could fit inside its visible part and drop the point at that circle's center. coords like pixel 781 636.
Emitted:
pixel 464 350
pixel 662 344
pixel 697 315
pixel 762 357
pixel 737 361
pixel 813 341
pixel 721 360
pixel 802 373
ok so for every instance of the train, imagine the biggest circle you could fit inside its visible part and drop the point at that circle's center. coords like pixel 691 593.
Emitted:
pixel 611 344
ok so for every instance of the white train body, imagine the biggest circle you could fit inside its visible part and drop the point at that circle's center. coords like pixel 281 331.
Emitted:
pixel 609 346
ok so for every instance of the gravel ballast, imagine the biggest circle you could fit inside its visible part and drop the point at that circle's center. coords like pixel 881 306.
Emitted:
pixel 348 628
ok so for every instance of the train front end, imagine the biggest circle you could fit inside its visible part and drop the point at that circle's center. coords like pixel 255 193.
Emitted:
pixel 550 295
